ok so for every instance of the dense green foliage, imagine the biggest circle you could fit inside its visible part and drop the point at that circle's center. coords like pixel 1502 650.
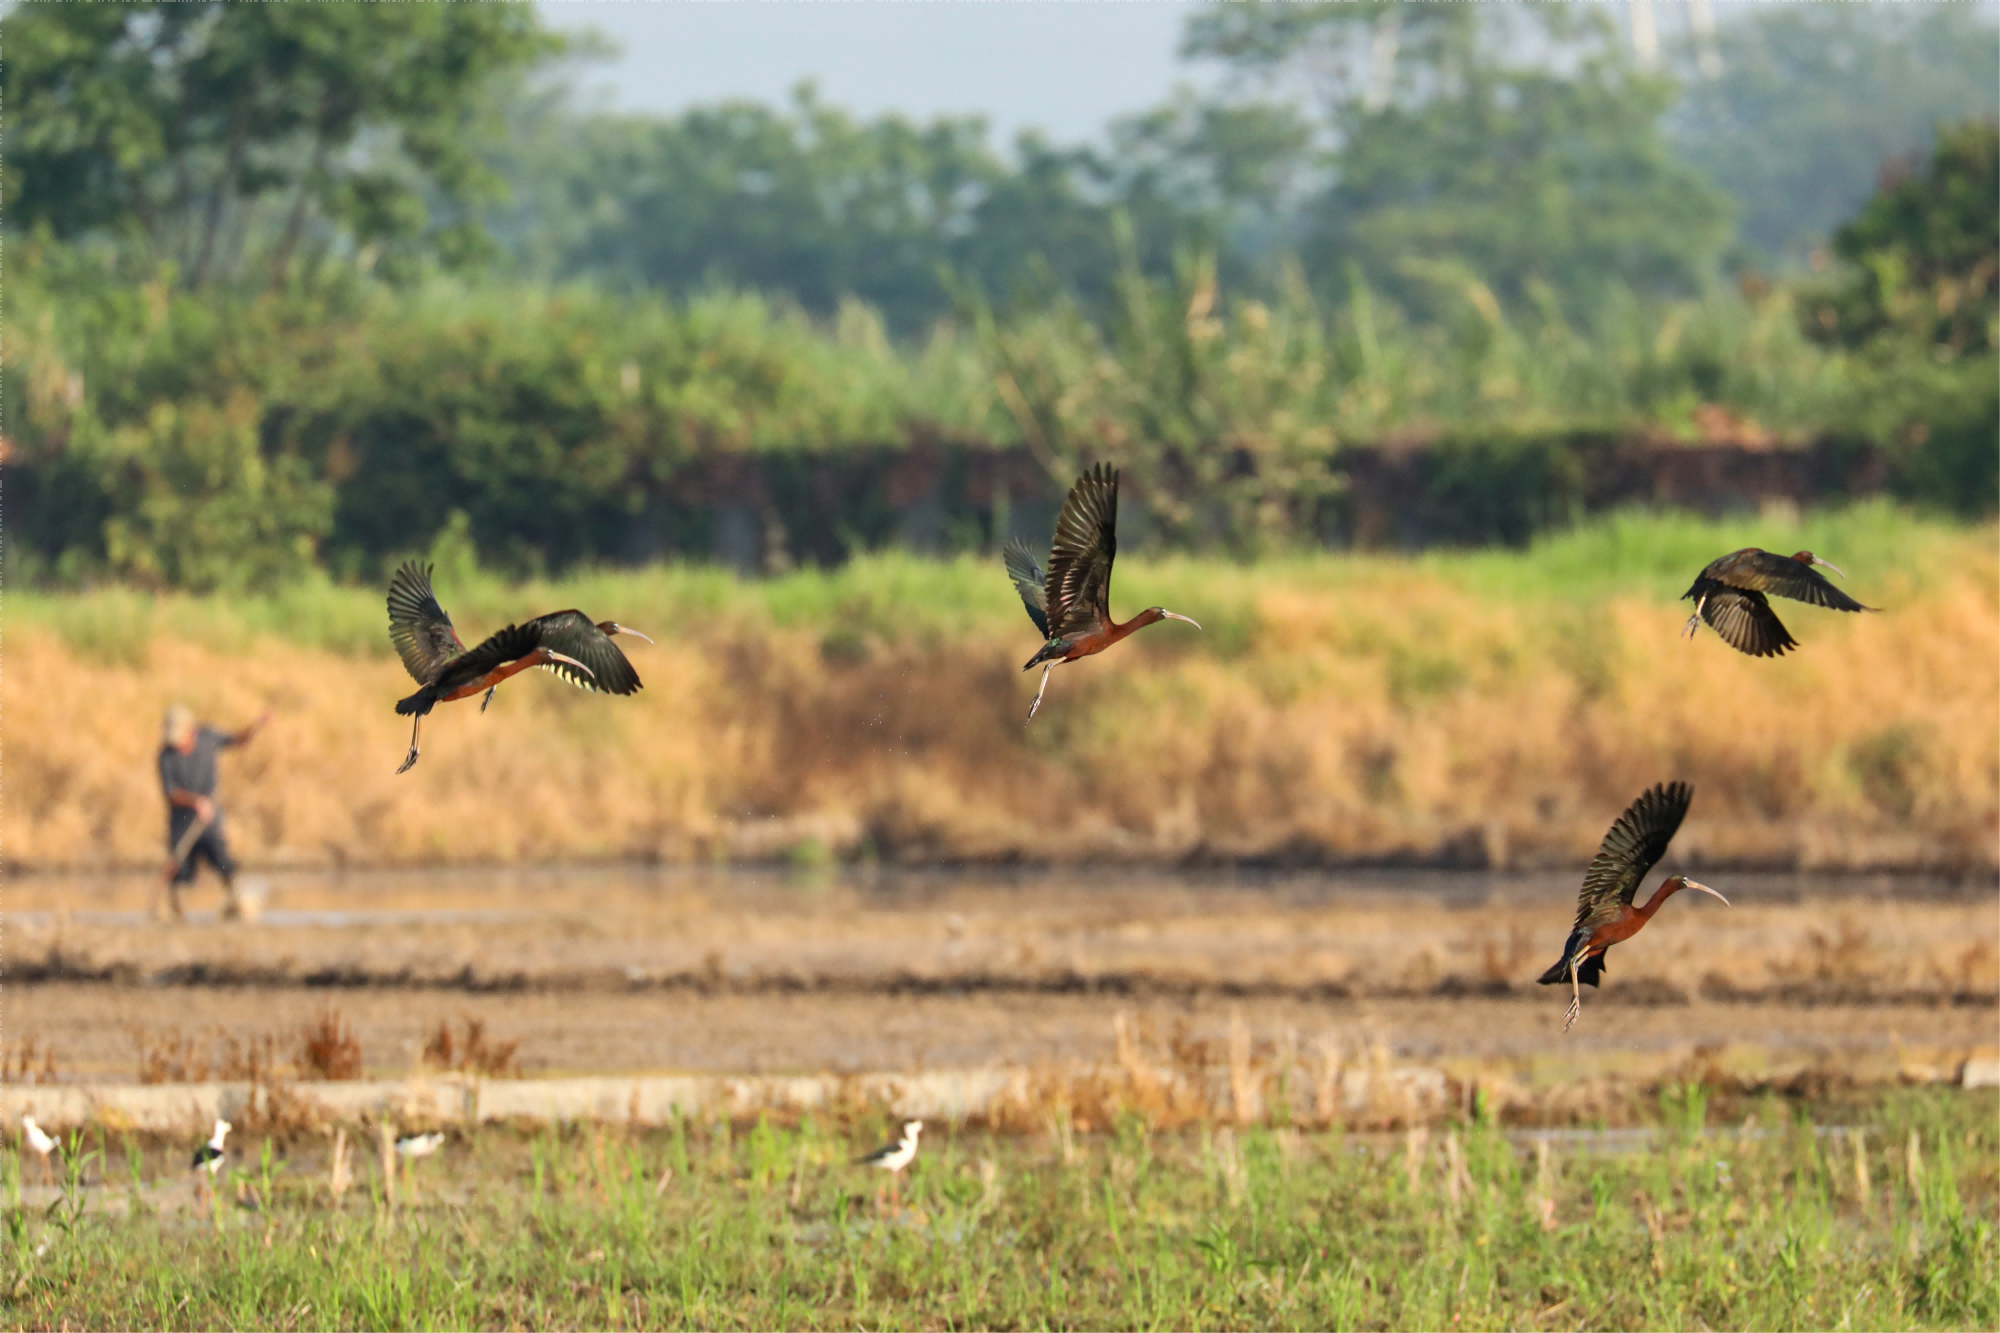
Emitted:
pixel 809 201
pixel 213 137
pixel 1809 102
pixel 1757 1226
pixel 1469 246
pixel 1516 145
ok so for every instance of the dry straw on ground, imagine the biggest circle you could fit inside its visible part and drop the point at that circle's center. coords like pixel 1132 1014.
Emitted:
pixel 1391 714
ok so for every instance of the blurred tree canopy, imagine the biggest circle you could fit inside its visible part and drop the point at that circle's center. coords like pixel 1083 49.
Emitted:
pixel 1508 149
pixel 809 201
pixel 218 136
pixel 1926 249
pixel 1811 101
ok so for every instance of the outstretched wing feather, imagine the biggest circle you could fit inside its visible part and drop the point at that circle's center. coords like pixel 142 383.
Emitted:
pixel 1078 590
pixel 418 626
pixel 499 648
pixel 1029 581
pixel 573 634
pixel 1635 843
pixel 1747 623
pixel 1782 576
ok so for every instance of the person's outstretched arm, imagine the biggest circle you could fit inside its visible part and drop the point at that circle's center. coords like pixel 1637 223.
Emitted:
pixel 249 733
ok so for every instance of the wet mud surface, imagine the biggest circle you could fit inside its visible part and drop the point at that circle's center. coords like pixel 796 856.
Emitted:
pixel 636 970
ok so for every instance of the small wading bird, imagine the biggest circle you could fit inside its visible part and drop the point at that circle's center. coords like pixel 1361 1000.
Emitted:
pixel 1730 595
pixel 420 1145
pixel 896 1156
pixel 1071 604
pixel 209 1156
pixel 1604 911
pixel 39 1140
pixel 565 642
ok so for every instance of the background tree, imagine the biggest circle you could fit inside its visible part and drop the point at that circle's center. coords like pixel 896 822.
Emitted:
pixel 1507 149
pixel 1812 100
pixel 812 202
pixel 214 135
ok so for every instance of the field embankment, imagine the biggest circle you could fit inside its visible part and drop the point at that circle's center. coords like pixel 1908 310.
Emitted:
pixel 1481 709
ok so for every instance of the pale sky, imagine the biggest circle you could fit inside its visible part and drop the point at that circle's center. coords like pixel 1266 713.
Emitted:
pixel 1066 68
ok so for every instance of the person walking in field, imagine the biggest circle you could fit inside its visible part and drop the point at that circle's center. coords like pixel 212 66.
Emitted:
pixel 194 816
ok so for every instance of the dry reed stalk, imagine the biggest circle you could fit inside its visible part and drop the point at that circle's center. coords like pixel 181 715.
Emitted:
pixel 1913 1164
pixel 1365 720
pixel 1229 1164
pixel 1246 1096
pixel 1327 1101
pixel 338 1176
pixel 1457 1183
pixel 1415 1141
pixel 1545 1185
pixel 1858 1138
pixel 385 1142
pixel 1656 1231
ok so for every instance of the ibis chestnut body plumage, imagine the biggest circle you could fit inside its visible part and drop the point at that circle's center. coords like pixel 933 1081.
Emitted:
pixel 1605 914
pixel 568 643
pixel 1071 603
pixel 1733 594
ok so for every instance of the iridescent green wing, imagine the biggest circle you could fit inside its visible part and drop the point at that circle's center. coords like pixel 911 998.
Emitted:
pixel 1747 623
pixel 1078 591
pixel 573 634
pixel 1029 581
pixel 1632 847
pixel 1781 576
pixel 418 626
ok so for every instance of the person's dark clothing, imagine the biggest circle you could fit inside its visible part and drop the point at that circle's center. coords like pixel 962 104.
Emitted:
pixel 194 771
pixel 211 846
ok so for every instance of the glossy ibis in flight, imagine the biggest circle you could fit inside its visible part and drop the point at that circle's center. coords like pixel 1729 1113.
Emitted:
pixel 1730 595
pixel 1071 604
pixel 565 642
pixel 1604 911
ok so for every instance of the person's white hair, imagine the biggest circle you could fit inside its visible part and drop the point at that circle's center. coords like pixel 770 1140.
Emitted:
pixel 179 724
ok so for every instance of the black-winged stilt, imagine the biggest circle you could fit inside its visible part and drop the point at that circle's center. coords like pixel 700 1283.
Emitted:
pixel 420 1145
pixel 896 1156
pixel 38 1139
pixel 208 1156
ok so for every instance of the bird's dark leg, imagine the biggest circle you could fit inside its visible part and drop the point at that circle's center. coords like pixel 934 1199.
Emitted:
pixel 409 760
pixel 1694 621
pixel 1576 993
pixel 489 697
pixel 1035 707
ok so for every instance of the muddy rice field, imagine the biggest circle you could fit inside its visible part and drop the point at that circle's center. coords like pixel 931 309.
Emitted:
pixel 643 970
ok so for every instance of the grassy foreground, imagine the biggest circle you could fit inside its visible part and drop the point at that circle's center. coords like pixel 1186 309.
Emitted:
pixel 1473 708
pixel 1764 1224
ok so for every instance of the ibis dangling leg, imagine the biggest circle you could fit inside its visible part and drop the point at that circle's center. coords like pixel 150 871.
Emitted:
pixel 1576 994
pixel 1694 621
pixel 1041 689
pixel 410 760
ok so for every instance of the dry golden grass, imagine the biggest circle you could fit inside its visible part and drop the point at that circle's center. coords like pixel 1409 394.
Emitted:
pixel 1343 709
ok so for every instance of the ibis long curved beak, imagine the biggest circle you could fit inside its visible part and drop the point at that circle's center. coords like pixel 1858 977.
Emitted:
pixel 634 633
pixel 1175 615
pixel 1830 565
pixel 571 661
pixel 1705 889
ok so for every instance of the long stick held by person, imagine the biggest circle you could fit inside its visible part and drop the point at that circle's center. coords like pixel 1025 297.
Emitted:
pixel 195 829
